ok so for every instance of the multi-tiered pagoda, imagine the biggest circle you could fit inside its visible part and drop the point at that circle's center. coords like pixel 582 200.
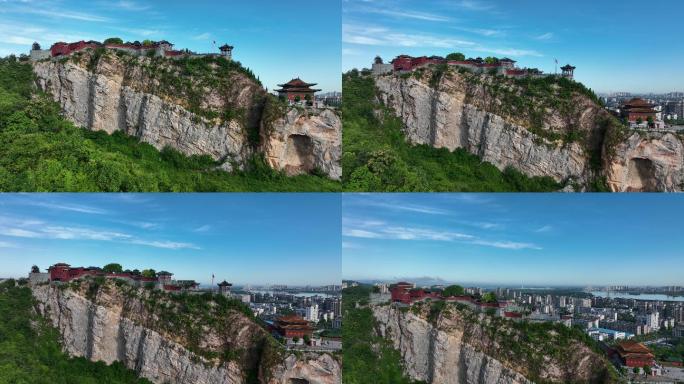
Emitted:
pixel 297 90
pixel 638 109
pixel 292 326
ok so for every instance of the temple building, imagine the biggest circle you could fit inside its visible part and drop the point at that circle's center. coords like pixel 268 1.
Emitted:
pixel 638 110
pixel 224 288
pixel 291 326
pixel 297 90
pixel 633 354
pixel 64 273
pixel 568 71
pixel 226 51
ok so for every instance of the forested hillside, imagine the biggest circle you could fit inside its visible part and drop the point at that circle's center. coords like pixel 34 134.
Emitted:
pixel 30 351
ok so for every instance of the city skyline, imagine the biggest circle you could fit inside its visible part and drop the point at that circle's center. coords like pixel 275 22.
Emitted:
pixel 593 36
pixel 247 238
pixel 268 36
pixel 513 239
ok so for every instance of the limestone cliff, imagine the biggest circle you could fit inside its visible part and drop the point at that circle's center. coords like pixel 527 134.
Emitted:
pixel 541 129
pixel 460 347
pixel 648 162
pixel 114 322
pixel 199 107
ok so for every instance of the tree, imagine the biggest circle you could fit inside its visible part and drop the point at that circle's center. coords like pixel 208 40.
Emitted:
pixel 149 273
pixel 147 42
pixel 456 56
pixel 491 60
pixel 378 60
pixel 297 99
pixel 113 40
pixel 307 339
pixel 113 268
pixel 647 370
pixel 649 120
pixel 636 370
pixel 639 120
pixel 453 290
pixel 295 339
pixel 489 297
pixel 35 269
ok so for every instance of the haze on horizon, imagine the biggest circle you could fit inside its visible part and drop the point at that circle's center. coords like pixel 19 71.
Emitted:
pixel 277 40
pixel 244 238
pixel 515 239
pixel 604 39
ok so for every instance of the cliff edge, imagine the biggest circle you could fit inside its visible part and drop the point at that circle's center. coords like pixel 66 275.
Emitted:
pixel 174 339
pixel 199 106
pixel 542 127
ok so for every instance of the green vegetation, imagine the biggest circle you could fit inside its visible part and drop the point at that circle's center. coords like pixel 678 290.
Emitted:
pixel 489 297
pixel 453 290
pixel 368 358
pixel 456 56
pixel 41 151
pixel 113 268
pixel 30 351
pixel 673 352
pixel 113 40
pixel 377 157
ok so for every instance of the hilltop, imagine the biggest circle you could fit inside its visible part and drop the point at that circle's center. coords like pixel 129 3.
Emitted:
pixel 443 342
pixel 172 337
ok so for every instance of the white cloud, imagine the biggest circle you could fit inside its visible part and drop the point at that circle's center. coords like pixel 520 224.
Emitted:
pixel 39 230
pixel 545 228
pixel 202 36
pixel 506 244
pixel 203 228
pixel 79 233
pixel 5 244
pixel 406 14
pixel 380 36
pixel 14 39
pixel 129 5
pixel 165 244
pixel 545 36
pixel 362 233
pixel 474 5
pixel 65 207
pixel 18 232
pixel 66 15
pixel 373 229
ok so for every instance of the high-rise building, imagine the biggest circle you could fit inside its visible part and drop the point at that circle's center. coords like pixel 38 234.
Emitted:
pixel 312 313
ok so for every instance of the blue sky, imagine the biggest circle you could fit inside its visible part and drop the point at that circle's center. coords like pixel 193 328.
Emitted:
pixel 616 45
pixel 277 39
pixel 255 238
pixel 515 239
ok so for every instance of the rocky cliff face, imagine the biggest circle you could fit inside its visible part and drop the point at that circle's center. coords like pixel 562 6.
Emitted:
pixel 436 356
pixel 478 113
pixel 119 93
pixel 455 349
pixel 115 326
pixel 646 162
pixel 444 117
pixel 300 143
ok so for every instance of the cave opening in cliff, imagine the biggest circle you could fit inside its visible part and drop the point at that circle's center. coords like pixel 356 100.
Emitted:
pixel 299 157
pixel 298 381
pixel 641 176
